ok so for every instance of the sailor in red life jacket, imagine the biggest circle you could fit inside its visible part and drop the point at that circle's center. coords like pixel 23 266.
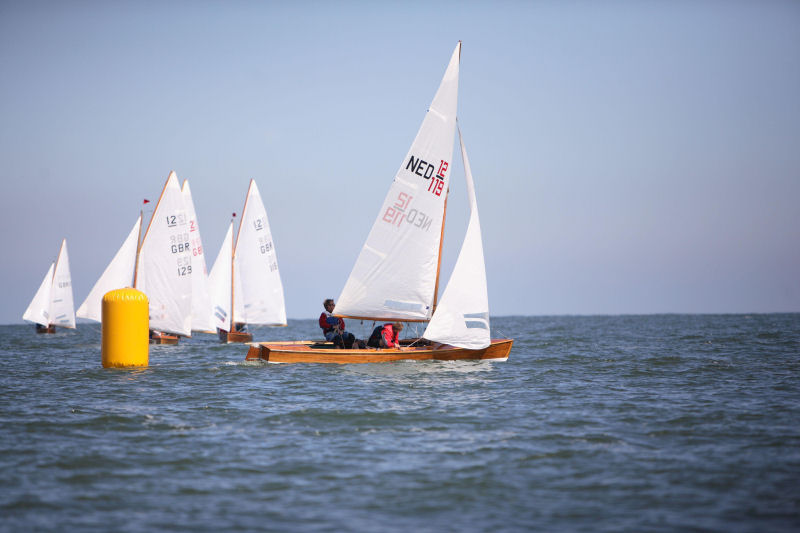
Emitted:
pixel 385 336
pixel 333 327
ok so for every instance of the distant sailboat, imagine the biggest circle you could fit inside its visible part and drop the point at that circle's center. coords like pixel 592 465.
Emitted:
pixel 52 304
pixel 396 275
pixel 245 281
pixel 160 267
pixel 202 316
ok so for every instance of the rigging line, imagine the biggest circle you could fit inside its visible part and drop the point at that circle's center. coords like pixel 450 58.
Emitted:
pixel 416 334
pixel 503 335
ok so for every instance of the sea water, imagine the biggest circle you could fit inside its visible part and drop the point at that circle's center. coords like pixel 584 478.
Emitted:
pixel 607 423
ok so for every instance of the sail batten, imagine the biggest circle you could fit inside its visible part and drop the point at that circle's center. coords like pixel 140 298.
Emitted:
pixel 399 259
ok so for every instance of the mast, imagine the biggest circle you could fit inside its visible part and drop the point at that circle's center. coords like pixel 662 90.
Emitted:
pixel 233 270
pixel 52 282
pixel 444 216
pixel 439 261
pixel 140 242
pixel 138 247
pixel 233 267
pixel 233 253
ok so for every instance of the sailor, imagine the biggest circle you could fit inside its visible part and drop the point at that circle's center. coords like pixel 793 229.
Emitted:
pixel 333 327
pixel 386 336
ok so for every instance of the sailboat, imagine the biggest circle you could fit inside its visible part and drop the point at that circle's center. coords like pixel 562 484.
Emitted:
pixel 52 304
pixel 202 317
pixel 160 266
pixel 396 275
pixel 245 281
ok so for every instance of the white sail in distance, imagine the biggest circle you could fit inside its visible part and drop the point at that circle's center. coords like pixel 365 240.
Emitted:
pixel 38 310
pixel 219 282
pixel 202 316
pixel 394 277
pixel 62 307
pixel 462 315
pixel 164 271
pixel 258 296
pixel 117 275
pixel 52 304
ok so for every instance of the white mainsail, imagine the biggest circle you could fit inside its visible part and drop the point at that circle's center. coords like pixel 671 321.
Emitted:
pixel 38 310
pixel 62 308
pixel 462 315
pixel 164 271
pixel 394 277
pixel 219 282
pixel 202 317
pixel 52 304
pixel 258 296
pixel 118 274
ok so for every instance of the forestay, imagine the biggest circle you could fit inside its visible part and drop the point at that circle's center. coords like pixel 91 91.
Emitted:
pixel 394 277
pixel 202 319
pixel 118 274
pixel 164 271
pixel 462 315
pixel 219 282
pixel 258 296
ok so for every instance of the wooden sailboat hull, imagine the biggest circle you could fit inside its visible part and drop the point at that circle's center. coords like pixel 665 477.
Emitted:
pixel 234 336
pixel 163 338
pixel 45 329
pixel 315 352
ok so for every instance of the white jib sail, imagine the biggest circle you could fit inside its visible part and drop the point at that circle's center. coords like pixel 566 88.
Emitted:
pixel 117 275
pixel 164 272
pixel 202 314
pixel 219 282
pixel 260 300
pixel 462 315
pixel 62 308
pixel 394 276
pixel 38 310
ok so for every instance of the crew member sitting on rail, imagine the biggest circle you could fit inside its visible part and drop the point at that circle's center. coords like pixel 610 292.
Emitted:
pixel 333 327
pixel 385 336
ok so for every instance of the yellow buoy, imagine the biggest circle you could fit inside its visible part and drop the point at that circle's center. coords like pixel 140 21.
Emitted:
pixel 125 328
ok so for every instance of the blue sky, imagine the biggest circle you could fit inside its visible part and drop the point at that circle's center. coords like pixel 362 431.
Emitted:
pixel 629 157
